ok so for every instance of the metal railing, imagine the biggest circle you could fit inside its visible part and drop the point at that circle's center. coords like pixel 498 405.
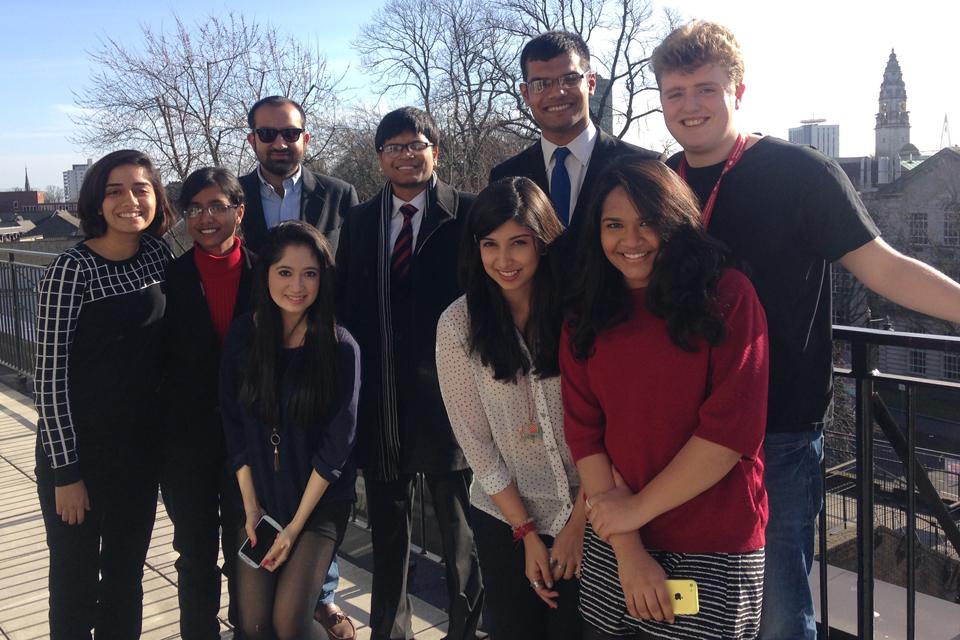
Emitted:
pixel 876 478
pixel 18 308
pixel 888 481
pixel 19 284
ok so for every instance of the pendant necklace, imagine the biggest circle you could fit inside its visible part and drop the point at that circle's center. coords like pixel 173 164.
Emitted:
pixel 533 432
pixel 275 441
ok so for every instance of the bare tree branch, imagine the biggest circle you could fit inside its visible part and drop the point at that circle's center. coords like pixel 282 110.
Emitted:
pixel 182 96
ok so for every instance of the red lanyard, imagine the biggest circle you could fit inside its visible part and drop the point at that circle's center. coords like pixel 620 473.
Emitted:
pixel 735 154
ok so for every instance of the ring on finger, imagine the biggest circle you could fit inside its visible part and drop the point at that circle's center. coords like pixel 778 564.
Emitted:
pixel 553 562
pixel 587 500
pixel 562 567
pixel 536 584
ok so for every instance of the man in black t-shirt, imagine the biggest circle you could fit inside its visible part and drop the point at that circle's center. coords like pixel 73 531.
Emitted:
pixel 787 212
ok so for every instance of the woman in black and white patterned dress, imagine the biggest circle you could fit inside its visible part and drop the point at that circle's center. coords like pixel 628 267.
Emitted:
pixel 98 367
pixel 499 374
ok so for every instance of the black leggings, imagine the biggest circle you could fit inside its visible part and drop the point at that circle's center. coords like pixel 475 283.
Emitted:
pixel 280 605
pixel 96 568
pixel 515 611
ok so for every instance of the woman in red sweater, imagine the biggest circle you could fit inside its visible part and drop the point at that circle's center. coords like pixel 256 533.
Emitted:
pixel 207 287
pixel 664 371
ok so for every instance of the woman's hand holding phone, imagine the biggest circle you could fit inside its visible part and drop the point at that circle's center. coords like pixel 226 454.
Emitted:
pixel 281 548
pixel 643 580
pixel 253 517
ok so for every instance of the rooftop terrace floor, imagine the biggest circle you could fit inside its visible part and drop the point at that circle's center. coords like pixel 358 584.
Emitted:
pixel 24 556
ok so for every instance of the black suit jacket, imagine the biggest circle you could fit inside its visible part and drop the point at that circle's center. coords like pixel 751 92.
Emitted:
pixel 192 351
pixel 324 203
pixel 427 440
pixel 529 163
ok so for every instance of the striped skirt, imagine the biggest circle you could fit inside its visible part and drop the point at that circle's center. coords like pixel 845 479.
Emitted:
pixel 730 587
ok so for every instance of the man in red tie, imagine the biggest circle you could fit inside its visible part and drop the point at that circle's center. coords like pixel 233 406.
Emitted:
pixel 396 273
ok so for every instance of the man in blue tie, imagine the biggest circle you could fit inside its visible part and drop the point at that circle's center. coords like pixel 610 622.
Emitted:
pixel 572 151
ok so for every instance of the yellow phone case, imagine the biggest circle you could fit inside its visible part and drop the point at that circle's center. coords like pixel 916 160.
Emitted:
pixel 684 597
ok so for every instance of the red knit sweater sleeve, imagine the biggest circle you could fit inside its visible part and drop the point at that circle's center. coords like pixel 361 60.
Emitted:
pixel 584 422
pixel 734 413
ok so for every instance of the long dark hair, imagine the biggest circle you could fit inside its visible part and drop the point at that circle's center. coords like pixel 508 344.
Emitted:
pixel 683 282
pixel 492 331
pixel 94 190
pixel 315 373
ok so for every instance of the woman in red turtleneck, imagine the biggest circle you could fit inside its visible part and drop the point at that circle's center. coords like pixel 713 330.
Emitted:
pixel 206 288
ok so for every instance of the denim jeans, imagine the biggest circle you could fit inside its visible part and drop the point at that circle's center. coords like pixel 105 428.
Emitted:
pixel 795 494
pixel 330 584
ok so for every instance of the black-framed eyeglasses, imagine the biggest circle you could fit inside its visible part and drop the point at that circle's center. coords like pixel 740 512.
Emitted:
pixel 397 149
pixel 214 210
pixel 268 135
pixel 568 81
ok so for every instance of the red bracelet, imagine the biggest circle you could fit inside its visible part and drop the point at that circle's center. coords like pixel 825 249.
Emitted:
pixel 521 530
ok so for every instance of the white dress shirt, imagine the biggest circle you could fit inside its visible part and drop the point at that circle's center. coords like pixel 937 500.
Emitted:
pixel 396 220
pixel 487 416
pixel 581 149
pixel 277 208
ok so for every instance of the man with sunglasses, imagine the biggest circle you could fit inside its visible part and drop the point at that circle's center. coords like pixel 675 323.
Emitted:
pixel 280 188
pixel 572 151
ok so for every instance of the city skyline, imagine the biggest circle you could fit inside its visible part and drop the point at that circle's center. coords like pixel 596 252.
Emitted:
pixel 825 60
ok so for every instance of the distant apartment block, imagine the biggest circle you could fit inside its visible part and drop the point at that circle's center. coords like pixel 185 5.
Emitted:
pixel 73 179
pixel 825 137
pixel 601 106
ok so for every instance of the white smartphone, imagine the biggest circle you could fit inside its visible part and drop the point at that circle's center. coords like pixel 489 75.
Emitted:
pixel 267 530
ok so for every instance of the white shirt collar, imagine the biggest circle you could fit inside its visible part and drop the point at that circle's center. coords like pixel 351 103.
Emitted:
pixel 580 147
pixel 419 201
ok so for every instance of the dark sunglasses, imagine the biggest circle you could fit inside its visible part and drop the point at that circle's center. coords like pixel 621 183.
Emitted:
pixel 267 135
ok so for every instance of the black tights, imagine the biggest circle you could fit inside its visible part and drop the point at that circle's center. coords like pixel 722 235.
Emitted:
pixel 280 605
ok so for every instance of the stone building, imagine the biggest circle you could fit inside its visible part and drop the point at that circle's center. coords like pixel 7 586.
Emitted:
pixel 915 200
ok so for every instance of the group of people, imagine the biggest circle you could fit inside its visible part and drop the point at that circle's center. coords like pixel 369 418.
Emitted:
pixel 612 372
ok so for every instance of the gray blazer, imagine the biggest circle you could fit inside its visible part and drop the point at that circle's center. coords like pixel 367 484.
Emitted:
pixel 324 203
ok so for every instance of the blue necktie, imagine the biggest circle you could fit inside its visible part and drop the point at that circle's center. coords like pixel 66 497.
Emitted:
pixel 560 186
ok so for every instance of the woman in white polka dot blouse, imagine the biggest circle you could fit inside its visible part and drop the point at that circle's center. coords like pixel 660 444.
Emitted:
pixel 497 357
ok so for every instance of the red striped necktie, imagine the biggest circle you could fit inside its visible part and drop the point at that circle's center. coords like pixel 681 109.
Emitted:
pixel 403 248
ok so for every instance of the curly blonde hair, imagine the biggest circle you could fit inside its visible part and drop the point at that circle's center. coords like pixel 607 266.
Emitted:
pixel 695 44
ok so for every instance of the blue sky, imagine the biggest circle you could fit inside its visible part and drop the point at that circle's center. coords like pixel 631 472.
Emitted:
pixel 816 58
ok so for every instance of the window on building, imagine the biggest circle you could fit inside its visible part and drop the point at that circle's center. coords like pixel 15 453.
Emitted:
pixel 951 366
pixel 918 228
pixel 917 364
pixel 951 230
pixel 841 280
pixel 839 317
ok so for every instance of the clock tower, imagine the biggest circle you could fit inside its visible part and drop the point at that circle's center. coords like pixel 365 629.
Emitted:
pixel 893 120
